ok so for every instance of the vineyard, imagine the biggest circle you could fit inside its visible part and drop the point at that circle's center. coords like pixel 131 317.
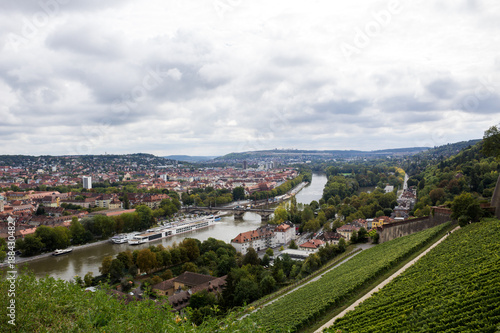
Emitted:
pixel 305 305
pixel 454 288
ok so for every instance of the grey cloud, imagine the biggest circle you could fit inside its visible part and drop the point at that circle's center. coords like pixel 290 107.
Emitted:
pixel 289 61
pixel 405 103
pixel 341 107
pixel 481 103
pixel 442 88
pixel 51 6
pixel 86 41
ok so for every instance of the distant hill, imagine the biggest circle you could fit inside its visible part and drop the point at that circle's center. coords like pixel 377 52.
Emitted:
pixel 450 149
pixel 191 159
pixel 319 154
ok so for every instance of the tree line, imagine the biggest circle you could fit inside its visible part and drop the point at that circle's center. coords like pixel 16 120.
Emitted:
pixel 46 239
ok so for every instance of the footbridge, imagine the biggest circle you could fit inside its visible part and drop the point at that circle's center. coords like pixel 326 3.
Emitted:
pixel 237 212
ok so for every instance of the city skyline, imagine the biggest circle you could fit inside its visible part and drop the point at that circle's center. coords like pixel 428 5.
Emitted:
pixel 211 78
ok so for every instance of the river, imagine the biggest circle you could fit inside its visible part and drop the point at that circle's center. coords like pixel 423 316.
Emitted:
pixel 88 259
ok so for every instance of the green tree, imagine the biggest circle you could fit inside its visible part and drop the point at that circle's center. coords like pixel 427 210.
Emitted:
pixel 265 260
pixel 465 208
pixel 491 142
pixel 145 215
pixel 307 214
pixel 270 252
pixel 280 214
pixel 146 260
pixel 77 231
pixel 436 195
pixel 267 284
pixel 88 279
pixel 251 257
pixel 293 245
pixel 47 236
pixel 362 233
pixel 202 298
pixel 238 193
pixel 116 269
pixel 105 265
pixel 189 267
pixel 246 291
pixel 3 249
pixel 192 247
pixel 30 246
pixel 62 237
pixel 126 258
pixel 126 201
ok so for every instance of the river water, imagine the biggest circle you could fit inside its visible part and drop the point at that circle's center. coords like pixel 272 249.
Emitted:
pixel 88 259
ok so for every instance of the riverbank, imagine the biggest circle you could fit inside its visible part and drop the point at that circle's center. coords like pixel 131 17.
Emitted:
pixel 22 260
pixel 88 257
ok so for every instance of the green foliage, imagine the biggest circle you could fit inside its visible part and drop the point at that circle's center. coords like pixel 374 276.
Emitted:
pixel 246 291
pixel 116 270
pixel 465 208
pixel 238 193
pixel 77 231
pixel 453 288
pixel 146 260
pixel 251 257
pixel 491 142
pixel 313 299
pixel 61 306
pixel 105 265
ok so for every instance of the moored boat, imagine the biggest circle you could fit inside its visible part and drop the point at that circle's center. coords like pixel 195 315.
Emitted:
pixel 122 238
pixel 173 228
pixel 63 251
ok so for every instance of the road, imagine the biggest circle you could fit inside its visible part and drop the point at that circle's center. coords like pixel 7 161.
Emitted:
pixel 381 285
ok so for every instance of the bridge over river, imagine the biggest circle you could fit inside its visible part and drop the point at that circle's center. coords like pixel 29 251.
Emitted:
pixel 237 211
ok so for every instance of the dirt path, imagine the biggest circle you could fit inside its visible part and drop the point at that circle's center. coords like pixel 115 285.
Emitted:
pixel 381 285
pixel 352 255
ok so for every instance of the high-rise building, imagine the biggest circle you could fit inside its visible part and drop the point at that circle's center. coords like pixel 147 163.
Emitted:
pixel 245 165
pixel 87 182
pixel 1 204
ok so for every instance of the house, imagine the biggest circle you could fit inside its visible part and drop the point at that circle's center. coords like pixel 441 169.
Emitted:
pixel 180 288
pixel 103 200
pixel 164 288
pixel 311 245
pixel 12 196
pixel 181 299
pixel 346 230
pixel 115 204
pixel 285 232
pixel 331 237
pixel 259 239
pixel 264 237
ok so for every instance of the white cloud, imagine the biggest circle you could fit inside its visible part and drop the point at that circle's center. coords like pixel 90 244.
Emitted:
pixel 197 77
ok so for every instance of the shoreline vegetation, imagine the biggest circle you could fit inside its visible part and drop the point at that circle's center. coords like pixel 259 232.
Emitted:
pixel 21 260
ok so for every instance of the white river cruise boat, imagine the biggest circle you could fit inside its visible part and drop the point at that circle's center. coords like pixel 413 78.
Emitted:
pixel 122 238
pixel 170 229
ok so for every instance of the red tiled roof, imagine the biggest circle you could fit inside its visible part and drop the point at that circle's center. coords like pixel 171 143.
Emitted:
pixel 313 244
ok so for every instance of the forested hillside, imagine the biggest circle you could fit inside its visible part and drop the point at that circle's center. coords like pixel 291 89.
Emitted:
pixel 468 171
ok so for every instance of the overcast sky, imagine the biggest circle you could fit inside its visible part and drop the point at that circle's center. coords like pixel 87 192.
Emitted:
pixel 220 76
